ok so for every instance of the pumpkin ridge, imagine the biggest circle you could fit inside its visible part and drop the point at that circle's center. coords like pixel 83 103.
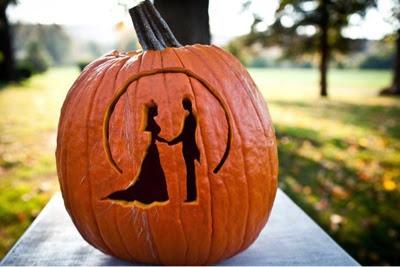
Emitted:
pixel 131 114
pixel 246 88
pixel 68 98
pixel 205 63
pixel 253 95
pixel 151 234
pixel 154 249
pixel 88 116
pixel 261 120
pixel 116 211
pixel 258 225
pixel 267 117
pixel 189 48
pixel 151 239
pixel 271 180
pixel 99 69
pixel 179 189
pixel 61 126
pixel 206 158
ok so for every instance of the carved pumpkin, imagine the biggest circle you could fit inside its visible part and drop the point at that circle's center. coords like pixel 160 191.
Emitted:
pixel 167 155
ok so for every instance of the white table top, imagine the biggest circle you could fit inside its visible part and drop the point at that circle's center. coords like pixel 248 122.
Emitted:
pixel 289 238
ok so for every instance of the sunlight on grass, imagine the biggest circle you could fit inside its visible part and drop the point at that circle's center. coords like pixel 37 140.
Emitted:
pixel 28 125
pixel 303 83
pixel 340 157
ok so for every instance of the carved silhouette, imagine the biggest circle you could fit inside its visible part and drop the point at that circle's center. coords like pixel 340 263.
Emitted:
pixel 150 185
pixel 189 149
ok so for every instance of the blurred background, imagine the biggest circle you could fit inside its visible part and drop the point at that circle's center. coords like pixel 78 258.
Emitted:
pixel 329 70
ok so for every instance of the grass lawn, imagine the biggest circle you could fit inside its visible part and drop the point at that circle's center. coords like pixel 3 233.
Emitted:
pixel 28 122
pixel 339 158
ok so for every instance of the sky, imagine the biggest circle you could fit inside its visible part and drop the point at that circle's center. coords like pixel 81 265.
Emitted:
pixel 227 19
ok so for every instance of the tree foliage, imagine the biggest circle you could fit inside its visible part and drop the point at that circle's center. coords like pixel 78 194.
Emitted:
pixel 53 39
pixel 300 22
pixel 311 27
pixel 394 19
pixel 37 58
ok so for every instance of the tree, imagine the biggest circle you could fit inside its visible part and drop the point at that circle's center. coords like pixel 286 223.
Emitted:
pixel 313 27
pixel 394 89
pixel 188 19
pixel 56 41
pixel 53 39
pixel 37 57
pixel 7 65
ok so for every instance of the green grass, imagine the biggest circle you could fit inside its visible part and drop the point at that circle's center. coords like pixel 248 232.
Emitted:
pixel 303 83
pixel 339 157
pixel 28 125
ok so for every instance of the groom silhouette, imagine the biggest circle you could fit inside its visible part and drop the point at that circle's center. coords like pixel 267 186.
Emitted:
pixel 190 150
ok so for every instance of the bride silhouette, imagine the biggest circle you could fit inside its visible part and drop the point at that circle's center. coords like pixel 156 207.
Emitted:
pixel 150 185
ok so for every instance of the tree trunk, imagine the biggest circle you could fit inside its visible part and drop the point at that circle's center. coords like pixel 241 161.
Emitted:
pixel 188 19
pixel 7 70
pixel 324 49
pixel 396 67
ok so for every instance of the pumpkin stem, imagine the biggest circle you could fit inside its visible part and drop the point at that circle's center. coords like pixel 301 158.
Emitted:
pixel 152 31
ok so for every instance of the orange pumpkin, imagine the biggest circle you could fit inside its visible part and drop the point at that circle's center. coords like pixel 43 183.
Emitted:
pixel 167 155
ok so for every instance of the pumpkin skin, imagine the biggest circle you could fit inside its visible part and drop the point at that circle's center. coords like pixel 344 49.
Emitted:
pixel 232 205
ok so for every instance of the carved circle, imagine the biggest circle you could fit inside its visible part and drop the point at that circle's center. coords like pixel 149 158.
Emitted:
pixel 135 77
